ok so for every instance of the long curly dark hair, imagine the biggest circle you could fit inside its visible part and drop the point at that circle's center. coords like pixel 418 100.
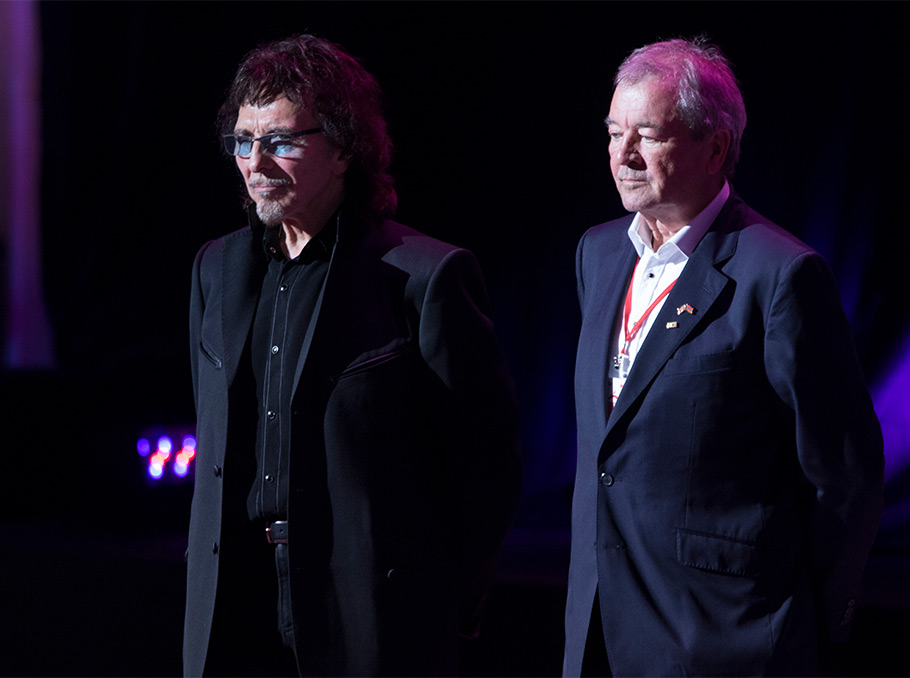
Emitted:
pixel 347 100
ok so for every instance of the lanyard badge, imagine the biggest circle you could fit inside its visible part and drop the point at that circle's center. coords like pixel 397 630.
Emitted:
pixel 622 361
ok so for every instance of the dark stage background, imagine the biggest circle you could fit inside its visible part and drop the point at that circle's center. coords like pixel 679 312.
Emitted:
pixel 496 112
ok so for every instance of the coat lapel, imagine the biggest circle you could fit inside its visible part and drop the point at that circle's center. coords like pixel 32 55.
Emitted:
pixel 698 287
pixel 319 316
pixel 242 272
pixel 600 330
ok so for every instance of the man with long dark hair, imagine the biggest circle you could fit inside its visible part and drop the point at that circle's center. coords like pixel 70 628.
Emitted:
pixel 357 460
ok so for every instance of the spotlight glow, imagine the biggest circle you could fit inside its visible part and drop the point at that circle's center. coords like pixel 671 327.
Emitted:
pixel 163 460
pixel 143 447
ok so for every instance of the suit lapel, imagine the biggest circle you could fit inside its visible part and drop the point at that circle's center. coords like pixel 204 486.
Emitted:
pixel 319 315
pixel 600 330
pixel 338 321
pixel 242 272
pixel 698 287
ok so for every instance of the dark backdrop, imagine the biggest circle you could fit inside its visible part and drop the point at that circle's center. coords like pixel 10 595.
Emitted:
pixel 496 110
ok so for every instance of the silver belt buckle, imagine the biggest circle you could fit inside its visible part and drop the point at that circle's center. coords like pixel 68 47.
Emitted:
pixel 277 532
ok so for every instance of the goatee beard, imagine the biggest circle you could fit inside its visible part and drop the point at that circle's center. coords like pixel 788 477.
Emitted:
pixel 270 212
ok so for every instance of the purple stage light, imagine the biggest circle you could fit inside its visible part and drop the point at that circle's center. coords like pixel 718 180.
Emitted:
pixel 143 446
pixel 165 445
pixel 163 459
pixel 155 471
pixel 892 404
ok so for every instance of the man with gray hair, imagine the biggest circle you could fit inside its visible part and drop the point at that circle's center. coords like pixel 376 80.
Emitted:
pixel 729 478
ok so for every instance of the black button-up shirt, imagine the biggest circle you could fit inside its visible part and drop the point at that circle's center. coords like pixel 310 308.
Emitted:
pixel 287 303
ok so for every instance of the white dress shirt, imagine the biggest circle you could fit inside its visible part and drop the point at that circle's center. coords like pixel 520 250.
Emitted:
pixel 655 271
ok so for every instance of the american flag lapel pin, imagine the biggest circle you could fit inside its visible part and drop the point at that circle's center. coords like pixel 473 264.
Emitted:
pixel 685 308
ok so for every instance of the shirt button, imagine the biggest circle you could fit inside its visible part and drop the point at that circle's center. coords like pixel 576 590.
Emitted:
pixel 284 287
pixel 274 349
pixel 269 479
pixel 607 479
pixel 270 414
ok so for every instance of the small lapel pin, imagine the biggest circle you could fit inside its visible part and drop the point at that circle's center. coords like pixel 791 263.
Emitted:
pixel 672 325
pixel 685 308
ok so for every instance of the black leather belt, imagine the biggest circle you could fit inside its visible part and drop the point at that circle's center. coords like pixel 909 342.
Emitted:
pixel 277 532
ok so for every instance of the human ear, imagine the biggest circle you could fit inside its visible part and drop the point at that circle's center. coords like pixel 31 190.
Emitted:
pixel 720 146
pixel 341 162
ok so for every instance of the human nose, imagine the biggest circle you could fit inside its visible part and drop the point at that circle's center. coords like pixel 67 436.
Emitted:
pixel 258 158
pixel 628 153
pixel 625 149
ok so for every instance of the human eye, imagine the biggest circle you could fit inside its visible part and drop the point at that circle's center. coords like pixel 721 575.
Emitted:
pixel 271 143
pixel 237 144
pixel 277 144
pixel 649 136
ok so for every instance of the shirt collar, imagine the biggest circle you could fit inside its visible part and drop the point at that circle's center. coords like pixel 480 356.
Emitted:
pixel 686 238
pixel 319 246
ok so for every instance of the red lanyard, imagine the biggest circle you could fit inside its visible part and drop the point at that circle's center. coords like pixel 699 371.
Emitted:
pixel 627 311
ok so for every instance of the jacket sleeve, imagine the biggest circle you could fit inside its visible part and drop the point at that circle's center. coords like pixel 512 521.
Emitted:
pixel 579 271
pixel 483 458
pixel 197 307
pixel 813 367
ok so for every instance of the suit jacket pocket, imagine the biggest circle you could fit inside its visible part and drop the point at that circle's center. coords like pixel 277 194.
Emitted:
pixel 709 362
pixel 716 553
pixel 375 358
pixel 210 356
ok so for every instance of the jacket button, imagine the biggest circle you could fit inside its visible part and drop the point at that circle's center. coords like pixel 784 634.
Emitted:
pixel 215 547
pixel 217 471
pixel 607 479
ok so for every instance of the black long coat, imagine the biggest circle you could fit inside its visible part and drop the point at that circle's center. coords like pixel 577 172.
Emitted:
pixel 411 473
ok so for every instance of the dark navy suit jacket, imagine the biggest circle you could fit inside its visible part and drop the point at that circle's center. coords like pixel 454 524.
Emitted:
pixel 404 466
pixel 725 508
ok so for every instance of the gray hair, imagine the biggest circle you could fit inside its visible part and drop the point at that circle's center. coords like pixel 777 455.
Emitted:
pixel 708 98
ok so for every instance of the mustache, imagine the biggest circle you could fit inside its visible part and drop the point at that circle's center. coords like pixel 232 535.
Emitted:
pixel 635 175
pixel 259 183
